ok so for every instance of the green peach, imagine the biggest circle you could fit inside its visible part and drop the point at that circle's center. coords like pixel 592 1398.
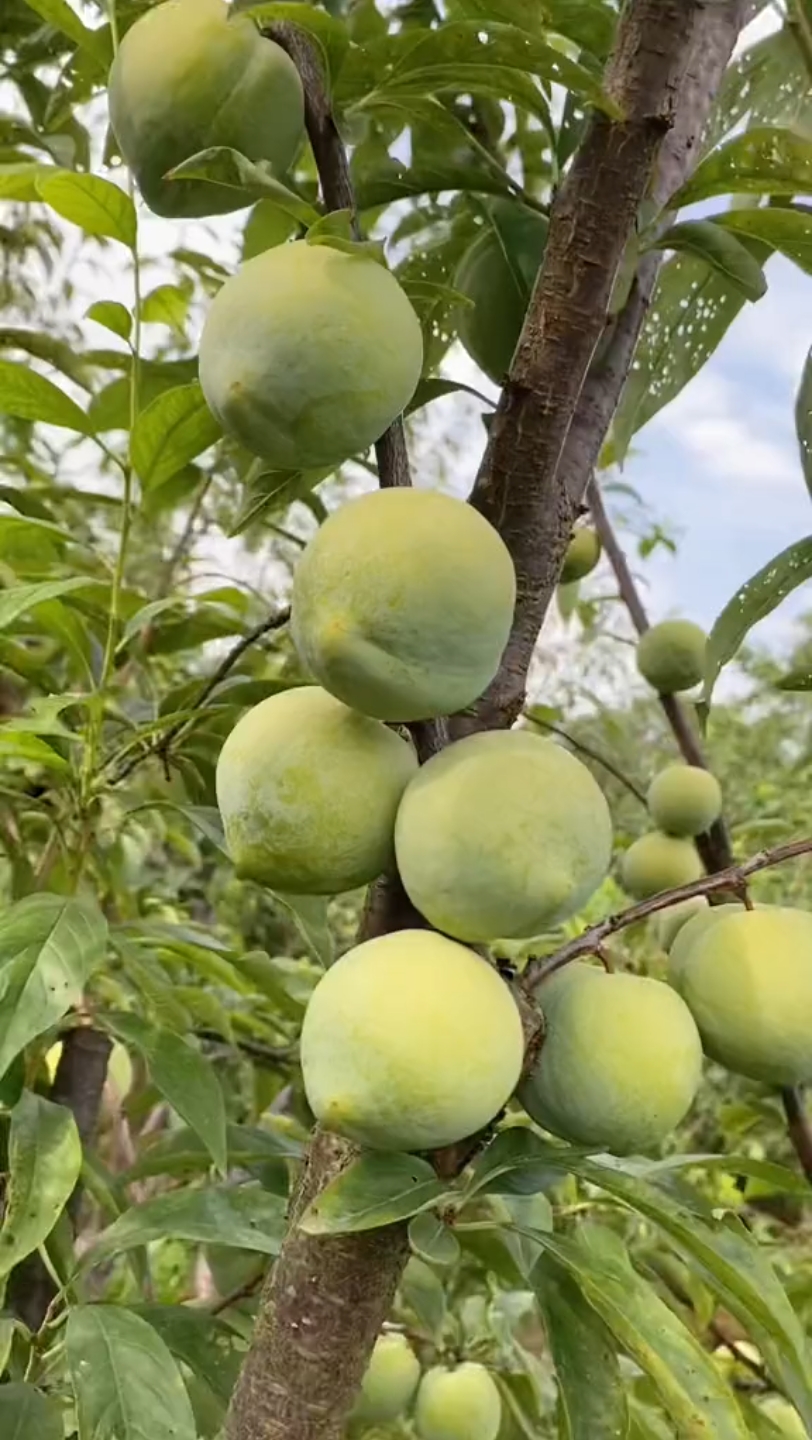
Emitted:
pixel 658 862
pixel 459 1404
pixel 186 77
pixel 308 354
pixel 669 923
pixel 688 934
pixel 684 800
pixel 410 1042
pixel 502 835
pixel 403 602
pixel 390 1381
pixel 308 792
pixel 497 275
pixel 583 554
pixel 620 1063
pixel 671 656
pixel 748 983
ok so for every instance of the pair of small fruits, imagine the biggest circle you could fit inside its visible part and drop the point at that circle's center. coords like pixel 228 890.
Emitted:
pixel 683 801
pixel 450 1403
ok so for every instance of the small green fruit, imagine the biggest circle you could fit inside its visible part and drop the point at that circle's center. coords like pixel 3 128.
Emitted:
pixel 784 1415
pixel 394 1043
pixel 583 554
pixel 390 1380
pixel 684 800
pixel 620 1063
pixel 658 862
pixel 186 77
pixel 402 604
pixel 497 275
pixel 502 835
pixel 459 1404
pixel 308 354
pixel 669 923
pixel 671 656
pixel 748 982
pixel 308 792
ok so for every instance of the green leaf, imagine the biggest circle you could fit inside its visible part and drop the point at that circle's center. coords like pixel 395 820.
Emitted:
pixel 60 14
pixel 181 1152
pixel 167 305
pixel 379 1189
pixel 27 1414
pixel 208 1346
pixel 803 420
pixel 330 34
pixel 755 600
pixel 309 915
pixel 721 251
pixel 45 1157
pixel 49 946
pixel 26 748
pixel 247 1219
pixel 763 161
pixel 205 818
pixel 432 1240
pixel 591 1396
pixel 126 1383
pixel 767 85
pixel 18 181
pixel 737 1269
pixel 270 492
pixel 29 396
pixel 19 599
pixel 691 1388
pixel 113 316
pixel 97 206
pixel 221 165
pixel 173 429
pixel 431 387
pixel 184 1077
pixel 517 1162
pixel 787 230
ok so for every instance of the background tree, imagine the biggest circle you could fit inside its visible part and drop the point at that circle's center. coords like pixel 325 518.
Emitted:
pixel 152 1003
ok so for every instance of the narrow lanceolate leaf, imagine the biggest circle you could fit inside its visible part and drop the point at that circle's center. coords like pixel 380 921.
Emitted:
pixel 63 17
pixel 18 599
pixel 758 598
pixel 720 250
pixel 378 1189
pixel 126 1383
pixel 803 420
pixel 49 946
pixel 738 1270
pixel 591 1395
pixel 205 1344
pixel 27 1414
pixel 29 396
pixel 45 1157
pixel 309 915
pixel 762 161
pixel 183 1076
pixel 788 231
pixel 175 428
pixel 97 206
pixel 248 1219
pixel 691 1388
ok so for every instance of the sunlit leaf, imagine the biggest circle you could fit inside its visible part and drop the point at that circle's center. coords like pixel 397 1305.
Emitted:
pixel 221 165
pixel 30 396
pixel 723 252
pixel 97 206
pixel 582 1351
pixel 788 231
pixel 175 428
pixel 113 316
pixel 765 160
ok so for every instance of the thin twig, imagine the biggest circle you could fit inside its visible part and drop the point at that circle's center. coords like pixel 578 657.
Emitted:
pixel 242 1292
pixel 270 1055
pixel 734 878
pixel 584 749
pixel 799 1128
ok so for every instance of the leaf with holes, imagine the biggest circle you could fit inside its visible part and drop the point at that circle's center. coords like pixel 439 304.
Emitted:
pixel 44 1160
pixel 29 396
pixel 767 85
pixel 379 1189
pixel 97 206
pixel 27 1414
pixel 723 252
pixel 248 1219
pixel 763 161
pixel 184 1077
pixel 581 1346
pixel 752 603
pixel 126 1383
pixel 175 428
pixel 49 946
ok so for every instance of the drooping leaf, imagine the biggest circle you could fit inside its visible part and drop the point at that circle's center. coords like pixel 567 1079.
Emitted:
pixel 49 946
pixel 270 492
pixel 378 1189
pixel 765 160
pixel 433 1240
pixel 126 1383
pixel 788 231
pixel 30 396
pixel 803 420
pixel 591 1395
pixel 432 387
pixel 180 1151
pixel 755 600
pixel 248 1218
pixel 221 165
pixel 184 1077
pixel 27 1414
pixel 517 1162
pixel 723 252
pixel 175 428
pixel 45 1157
pixel 97 206
pixel 309 915
pixel 113 316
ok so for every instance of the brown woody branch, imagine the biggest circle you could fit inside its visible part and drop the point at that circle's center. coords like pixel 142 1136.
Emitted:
pixel 734 879
pixel 799 1128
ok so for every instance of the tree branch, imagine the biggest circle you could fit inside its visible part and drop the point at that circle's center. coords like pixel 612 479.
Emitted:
pixel 714 847
pixel 799 1128
pixel 734 879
